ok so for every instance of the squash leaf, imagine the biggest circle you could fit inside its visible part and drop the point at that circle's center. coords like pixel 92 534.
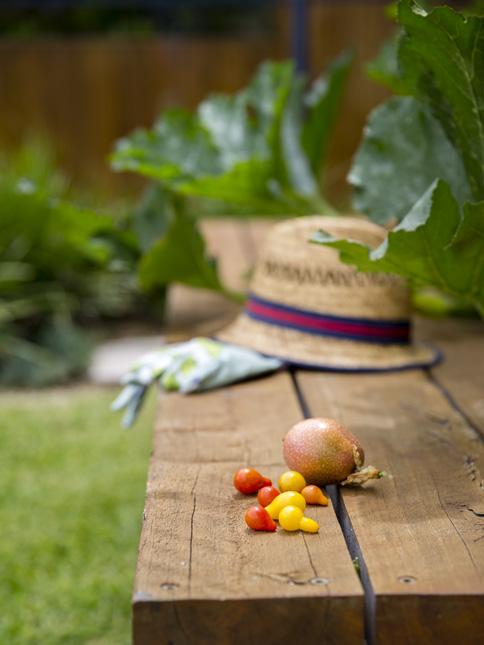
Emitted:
pixel 405 149
pixel 180 256
pixel 262 149
pixel 322 103
pixel 438 132
pixel 435 244
pixel 442 56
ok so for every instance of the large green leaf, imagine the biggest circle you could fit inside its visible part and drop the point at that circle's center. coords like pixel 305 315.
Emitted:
pixel 299 174
pixel 180 256
pixel 433 245
pixel 384 67
pixel 177 147
pixel 260 149
pixel 442 56
pixel 226 119
pixel 439 133
pixel 152 216
pixel 322 102
pixel 247 184
pixel 245 126
pixel 404 150
pixel 268 93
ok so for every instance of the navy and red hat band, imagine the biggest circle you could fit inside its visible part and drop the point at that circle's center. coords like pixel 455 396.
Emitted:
pixel 367 330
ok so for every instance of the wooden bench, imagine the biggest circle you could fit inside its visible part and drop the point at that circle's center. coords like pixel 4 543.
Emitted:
pixel 399 561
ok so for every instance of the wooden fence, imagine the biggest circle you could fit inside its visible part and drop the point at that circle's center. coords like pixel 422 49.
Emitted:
pixel 84 93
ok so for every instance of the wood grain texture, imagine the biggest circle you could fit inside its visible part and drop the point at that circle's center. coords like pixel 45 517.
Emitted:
pixel 461 373
pixel 203 576
pixel 421 532
pixel 258 231
pixel 230 241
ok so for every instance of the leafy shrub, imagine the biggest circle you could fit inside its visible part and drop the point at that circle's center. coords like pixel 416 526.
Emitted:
pixel 61 266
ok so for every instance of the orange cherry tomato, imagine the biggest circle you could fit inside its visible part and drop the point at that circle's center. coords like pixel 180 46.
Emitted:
pixel 258 519
pixel 248 480
pixel 266 494
pixel 314 495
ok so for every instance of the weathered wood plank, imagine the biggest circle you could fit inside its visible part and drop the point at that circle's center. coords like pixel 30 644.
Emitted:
pixel 202 576
pixel 229 241
pixel 421 532
pixel 461 373
pixel 195 313
pixel 258 231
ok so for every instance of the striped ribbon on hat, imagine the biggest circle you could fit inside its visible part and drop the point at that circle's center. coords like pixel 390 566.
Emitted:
pixel 368 330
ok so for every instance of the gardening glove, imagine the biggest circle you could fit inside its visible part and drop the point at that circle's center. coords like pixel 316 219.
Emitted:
pixel 194 366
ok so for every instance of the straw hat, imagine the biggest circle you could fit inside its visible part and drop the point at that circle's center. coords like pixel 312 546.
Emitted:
pixel 309 309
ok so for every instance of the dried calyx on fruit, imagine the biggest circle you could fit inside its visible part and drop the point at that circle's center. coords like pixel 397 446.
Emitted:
pixel 325 452
pixel 362 475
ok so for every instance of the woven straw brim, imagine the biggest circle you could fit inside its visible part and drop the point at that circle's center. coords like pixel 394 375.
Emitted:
pixel 304 350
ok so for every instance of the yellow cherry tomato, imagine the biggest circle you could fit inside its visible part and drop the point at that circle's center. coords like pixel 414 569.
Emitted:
pixel 291 480
pixel 308 525
pixel 289 498
pixel 290 518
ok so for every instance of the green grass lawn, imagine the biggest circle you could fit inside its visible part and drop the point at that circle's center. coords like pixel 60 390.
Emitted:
pixel 72 486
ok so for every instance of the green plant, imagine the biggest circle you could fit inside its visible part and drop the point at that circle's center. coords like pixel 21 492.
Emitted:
pixel 61 265
pixel 421 161
pixel 259 152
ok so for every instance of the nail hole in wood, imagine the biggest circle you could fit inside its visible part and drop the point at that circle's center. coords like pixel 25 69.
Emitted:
pixel 407 580
pixel 168 586
pixel 319 581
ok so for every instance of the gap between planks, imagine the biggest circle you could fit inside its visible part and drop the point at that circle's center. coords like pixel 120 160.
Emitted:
pixel 460 376
pixel 446 393
pixel 420 530
pixel 352 545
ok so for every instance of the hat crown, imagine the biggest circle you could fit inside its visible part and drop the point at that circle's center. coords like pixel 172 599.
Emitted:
pixel 292 272
pixel 309 309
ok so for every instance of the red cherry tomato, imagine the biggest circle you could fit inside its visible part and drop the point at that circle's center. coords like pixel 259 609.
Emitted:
pixel 258 519
pixel 266 495
pixel 248 480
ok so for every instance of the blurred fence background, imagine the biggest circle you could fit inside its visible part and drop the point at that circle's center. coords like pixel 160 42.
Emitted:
pixel 86 86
